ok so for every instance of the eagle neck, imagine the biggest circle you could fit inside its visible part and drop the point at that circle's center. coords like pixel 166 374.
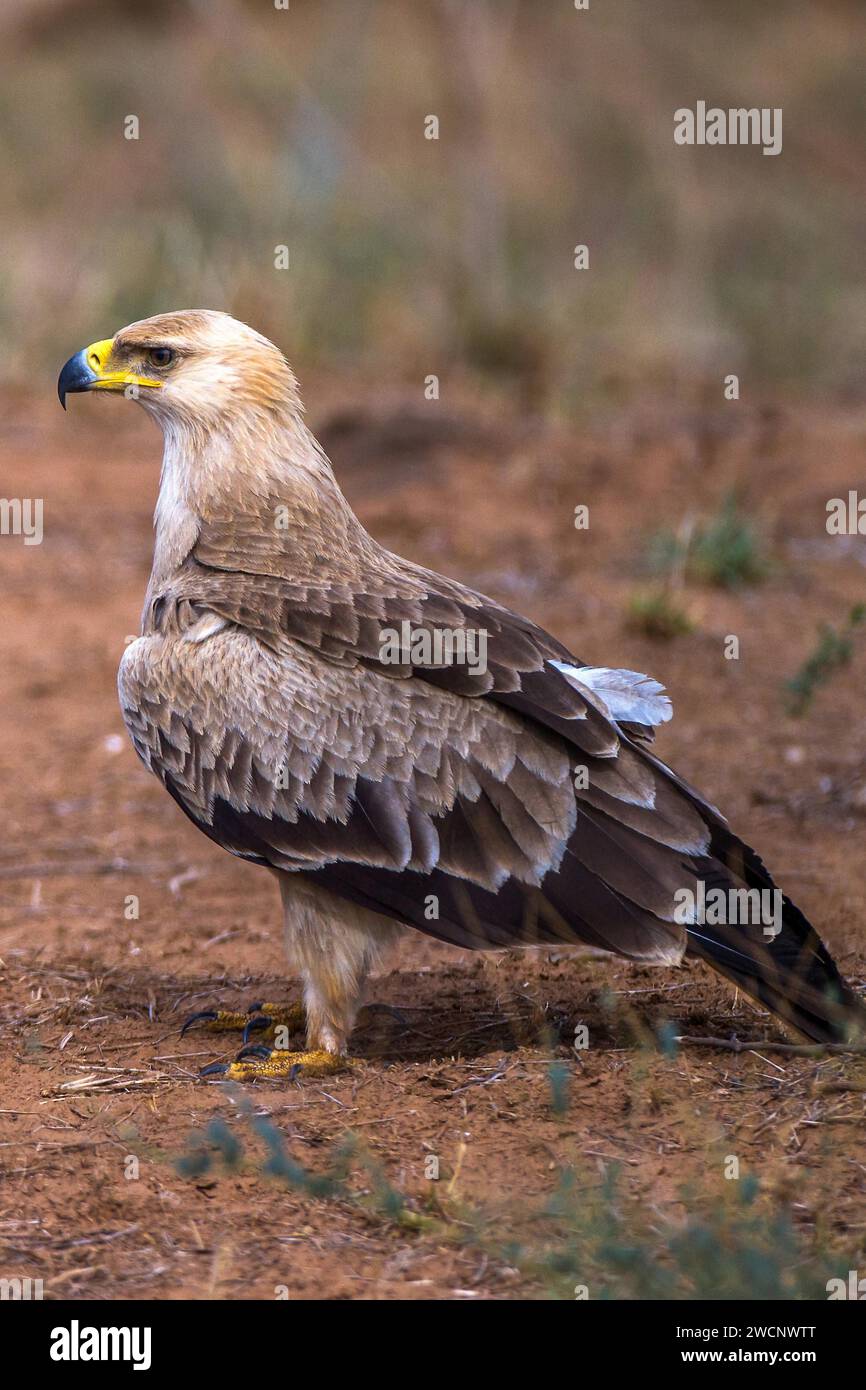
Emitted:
pixel 270 472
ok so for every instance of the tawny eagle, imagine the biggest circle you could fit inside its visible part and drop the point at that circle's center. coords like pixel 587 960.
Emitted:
pixel 490 790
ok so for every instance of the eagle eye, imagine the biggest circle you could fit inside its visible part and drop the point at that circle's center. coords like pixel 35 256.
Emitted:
pixel 160 356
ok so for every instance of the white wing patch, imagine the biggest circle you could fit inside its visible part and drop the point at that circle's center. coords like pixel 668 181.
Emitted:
pixel 627 696
pixel 208 625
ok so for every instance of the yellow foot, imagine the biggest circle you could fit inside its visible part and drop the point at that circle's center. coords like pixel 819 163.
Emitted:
pixel 259 1018
pixel 277 1065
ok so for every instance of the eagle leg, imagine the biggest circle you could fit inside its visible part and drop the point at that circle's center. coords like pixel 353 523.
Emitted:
pixel 333 949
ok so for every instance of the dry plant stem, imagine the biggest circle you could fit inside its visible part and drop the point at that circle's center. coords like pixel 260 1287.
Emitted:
pixel 790 1049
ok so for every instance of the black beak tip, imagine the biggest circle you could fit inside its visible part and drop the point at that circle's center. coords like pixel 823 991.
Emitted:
pixel 75 376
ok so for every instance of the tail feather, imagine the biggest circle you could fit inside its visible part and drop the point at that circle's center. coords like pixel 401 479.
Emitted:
pixel 789 970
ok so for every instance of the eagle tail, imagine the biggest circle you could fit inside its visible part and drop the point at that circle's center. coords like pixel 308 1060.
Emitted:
pixel 780 961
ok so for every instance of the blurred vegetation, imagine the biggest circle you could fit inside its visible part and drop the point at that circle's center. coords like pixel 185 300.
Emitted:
pixel 304 127
pixel 833 651
pixel 587 1237
pixel 654 612
pixel 725 549
pixel 732 1247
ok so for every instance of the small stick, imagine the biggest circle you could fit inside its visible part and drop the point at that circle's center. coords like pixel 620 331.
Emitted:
pixel 767 1045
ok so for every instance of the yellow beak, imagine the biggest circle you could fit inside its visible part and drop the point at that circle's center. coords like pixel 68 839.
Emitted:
pixel 90 370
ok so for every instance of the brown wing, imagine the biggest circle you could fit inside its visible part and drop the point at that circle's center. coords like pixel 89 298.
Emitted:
pixel 308 766
pixel 341 599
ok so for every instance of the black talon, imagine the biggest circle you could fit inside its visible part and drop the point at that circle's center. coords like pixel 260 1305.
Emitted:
pixel 206 1015
pixel 257 1050
pixel 215 1069
pixel 255 1008
pixel 255 1025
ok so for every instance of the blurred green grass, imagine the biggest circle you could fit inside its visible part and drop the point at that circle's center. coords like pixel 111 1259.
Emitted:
pixel 305 127
pixel 588 1234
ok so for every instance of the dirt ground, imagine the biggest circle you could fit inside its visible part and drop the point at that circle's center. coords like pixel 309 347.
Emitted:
pixel 99 1095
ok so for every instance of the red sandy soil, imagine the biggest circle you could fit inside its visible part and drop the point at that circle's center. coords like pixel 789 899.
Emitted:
pixel 92 1068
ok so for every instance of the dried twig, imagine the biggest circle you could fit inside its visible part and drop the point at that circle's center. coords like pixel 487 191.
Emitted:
pixel 767 1045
